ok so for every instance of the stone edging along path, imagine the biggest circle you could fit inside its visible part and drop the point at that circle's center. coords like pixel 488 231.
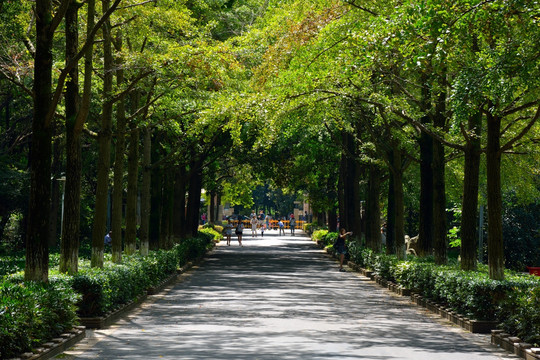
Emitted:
pixel 65 341
pixel 56 346
pixel 511 344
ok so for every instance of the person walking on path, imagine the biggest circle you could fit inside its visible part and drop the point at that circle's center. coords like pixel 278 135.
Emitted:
pixel 228 232
pixel 254 222
pixel 340 246
pixel 267 219
pixel 238 232
pixel 281 227
pixel 292 223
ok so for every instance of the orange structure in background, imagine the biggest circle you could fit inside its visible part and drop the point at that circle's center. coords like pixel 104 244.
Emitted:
pixel 273 224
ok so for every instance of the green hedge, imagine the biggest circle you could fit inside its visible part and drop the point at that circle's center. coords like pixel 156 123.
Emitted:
pixel 32 313
pixel 513 302
pixel 327 237
pixel 105 289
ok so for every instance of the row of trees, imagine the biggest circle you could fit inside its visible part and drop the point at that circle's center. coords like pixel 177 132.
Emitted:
pixel 429 101
pixel 105 80
pixel 409 93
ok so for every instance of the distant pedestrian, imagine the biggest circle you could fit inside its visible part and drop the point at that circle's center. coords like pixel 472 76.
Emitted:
pixel 340 246
pixel 228 232
pixel 238 231
pixel 254 223
pixel 281 227
pixel 292 223
pixel 263 227
pixel 267 219
pixel 108 239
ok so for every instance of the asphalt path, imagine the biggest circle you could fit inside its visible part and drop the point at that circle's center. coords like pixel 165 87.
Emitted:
pixel 279 297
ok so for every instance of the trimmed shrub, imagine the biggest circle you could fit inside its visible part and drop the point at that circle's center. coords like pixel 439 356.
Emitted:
pixel 211 234
pixel 32 313
pixel 514 302
pixel 105 289
pixel 319 235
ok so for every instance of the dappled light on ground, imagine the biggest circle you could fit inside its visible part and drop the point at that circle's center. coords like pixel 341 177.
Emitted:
pixel 280 298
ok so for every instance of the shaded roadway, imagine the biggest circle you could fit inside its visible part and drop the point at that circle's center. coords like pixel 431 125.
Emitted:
pixel 279 297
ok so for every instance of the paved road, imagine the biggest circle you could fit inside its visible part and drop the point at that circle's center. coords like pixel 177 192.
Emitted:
pixel 279 298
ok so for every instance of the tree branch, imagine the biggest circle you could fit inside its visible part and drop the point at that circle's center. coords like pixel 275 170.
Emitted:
pixel 510 144
pixel 325 50
pixel 353 4
pixel 64 73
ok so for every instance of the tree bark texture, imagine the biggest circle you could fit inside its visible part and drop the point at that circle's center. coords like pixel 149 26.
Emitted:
pixel 104 143
pixel 439 205
pixel 469 210
pixel 357 206
pixel 37 251
pixel 179 212
pixel 120 149
pixel 56 190
pixel 425 219
pixel 212 210
pixel 440 239
pixel 399 209
pixel 391 217
pixel 156 209
pixel 69 254
pixel 494 197
pixel 373 209
pixel 145 190
pixel 194 197
pixel 132 194
pixel 332 219
pixel 167 210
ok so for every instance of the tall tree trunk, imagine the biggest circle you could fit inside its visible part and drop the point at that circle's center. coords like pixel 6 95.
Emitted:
pixel 348 175
pixel 104 140
pixel 212 210
pixel 356 227
pixel 341 190
pixel 469 210
pixel 373 209
pixel 391 216
pixel 440 240
pixel 132 194
pixel 120 149
pixel 439 205
pixel 164 205
pixel 156 209
pixel 166 210
pixel 194 197
pixel 179 212
pixel 145 190
pixel 37 250
pixel 69 254
pixel 56 191
pixel 399 203
pixel 332 219
pixel 425 219
pixel 494 197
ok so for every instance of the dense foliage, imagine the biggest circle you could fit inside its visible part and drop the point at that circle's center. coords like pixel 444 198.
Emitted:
pixel 32 313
